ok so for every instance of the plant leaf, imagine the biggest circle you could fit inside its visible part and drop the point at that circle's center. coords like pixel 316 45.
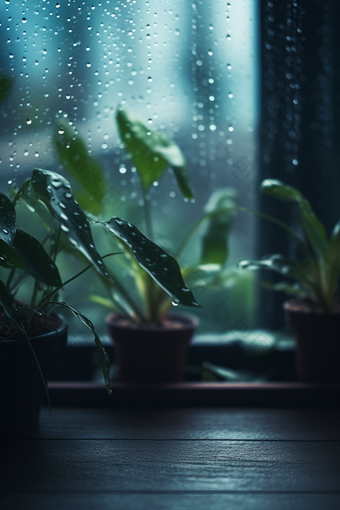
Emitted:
pixel 7 219
pixel 8 257
pixel 163 268
pixel 152 152
pixel 209 275
pixel 312 226
pixel 72 153
pixel 8 307
pixel 35 260
pixel 56 193
pixel 215 238
pixel 104 358
pixel 276 263
pixel 5 87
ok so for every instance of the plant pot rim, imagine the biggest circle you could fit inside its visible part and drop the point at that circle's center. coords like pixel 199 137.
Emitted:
pixel 188 321
pixel 49 334
pixel 287 306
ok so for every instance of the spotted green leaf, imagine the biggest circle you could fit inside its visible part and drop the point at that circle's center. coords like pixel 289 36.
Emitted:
pixel 56 193
pixel 161 266
pixel 36 260
pixel 152 152
pixel 21 250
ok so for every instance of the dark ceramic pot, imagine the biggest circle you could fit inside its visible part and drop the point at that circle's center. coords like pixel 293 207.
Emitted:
pixel 151 354
pixel 318 344
pixel 21 387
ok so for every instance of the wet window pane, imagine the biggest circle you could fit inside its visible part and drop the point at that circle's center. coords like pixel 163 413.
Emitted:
pixel 188 69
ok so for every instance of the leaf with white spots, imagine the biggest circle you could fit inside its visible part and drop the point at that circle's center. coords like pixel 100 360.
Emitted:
pixel 161 266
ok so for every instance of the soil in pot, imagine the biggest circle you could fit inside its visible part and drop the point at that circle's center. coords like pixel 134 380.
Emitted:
pixel 21 387
pixel 150 353
pixel 318 341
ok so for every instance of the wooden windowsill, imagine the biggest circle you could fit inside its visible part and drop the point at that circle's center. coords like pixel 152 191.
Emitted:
pixel 78 394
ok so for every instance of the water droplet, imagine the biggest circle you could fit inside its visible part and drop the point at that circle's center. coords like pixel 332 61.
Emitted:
pixel 62 205
pixel 88 64
pixel 230 95
pixel 174 303
pixel 28 121
pixel 228 37
pixel 61 131
pixel 63 216
pixel 122 169
pixel 65 228
pixel 24 20
pixel 68 195
pixel 56 183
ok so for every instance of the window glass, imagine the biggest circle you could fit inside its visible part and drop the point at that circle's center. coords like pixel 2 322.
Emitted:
pixel 188 69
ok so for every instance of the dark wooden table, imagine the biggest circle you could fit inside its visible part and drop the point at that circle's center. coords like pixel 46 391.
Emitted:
pixel 167 458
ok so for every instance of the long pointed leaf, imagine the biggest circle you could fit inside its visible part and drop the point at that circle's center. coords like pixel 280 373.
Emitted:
pixel 56 193
pixel 72 152
pixel 152 152
pixel 163 268
pixel 36 260
pixel 312 226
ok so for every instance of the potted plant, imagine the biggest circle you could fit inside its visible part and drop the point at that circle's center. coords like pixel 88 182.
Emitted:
pixel 314 311
pixel 31 334
pixel 151 343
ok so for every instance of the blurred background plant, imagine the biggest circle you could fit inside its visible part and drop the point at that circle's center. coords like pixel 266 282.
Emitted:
pixel 152 153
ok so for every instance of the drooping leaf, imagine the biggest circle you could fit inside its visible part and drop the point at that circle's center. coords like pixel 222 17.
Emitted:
pixel 163 268
pixel 56 193
pixel 5 86
pixel 7 219
pixel 310 223
pixel 152 152
pixel 9 309
pixel 72 152
pixel 35 260
pixel 104 358
pixel 215 238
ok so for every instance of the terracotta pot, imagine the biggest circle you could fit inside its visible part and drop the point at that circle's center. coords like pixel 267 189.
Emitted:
pixel 150 353
pixel 21 387
pixel 318 343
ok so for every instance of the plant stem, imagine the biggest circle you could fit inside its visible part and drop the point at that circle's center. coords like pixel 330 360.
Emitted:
pixel 40 371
